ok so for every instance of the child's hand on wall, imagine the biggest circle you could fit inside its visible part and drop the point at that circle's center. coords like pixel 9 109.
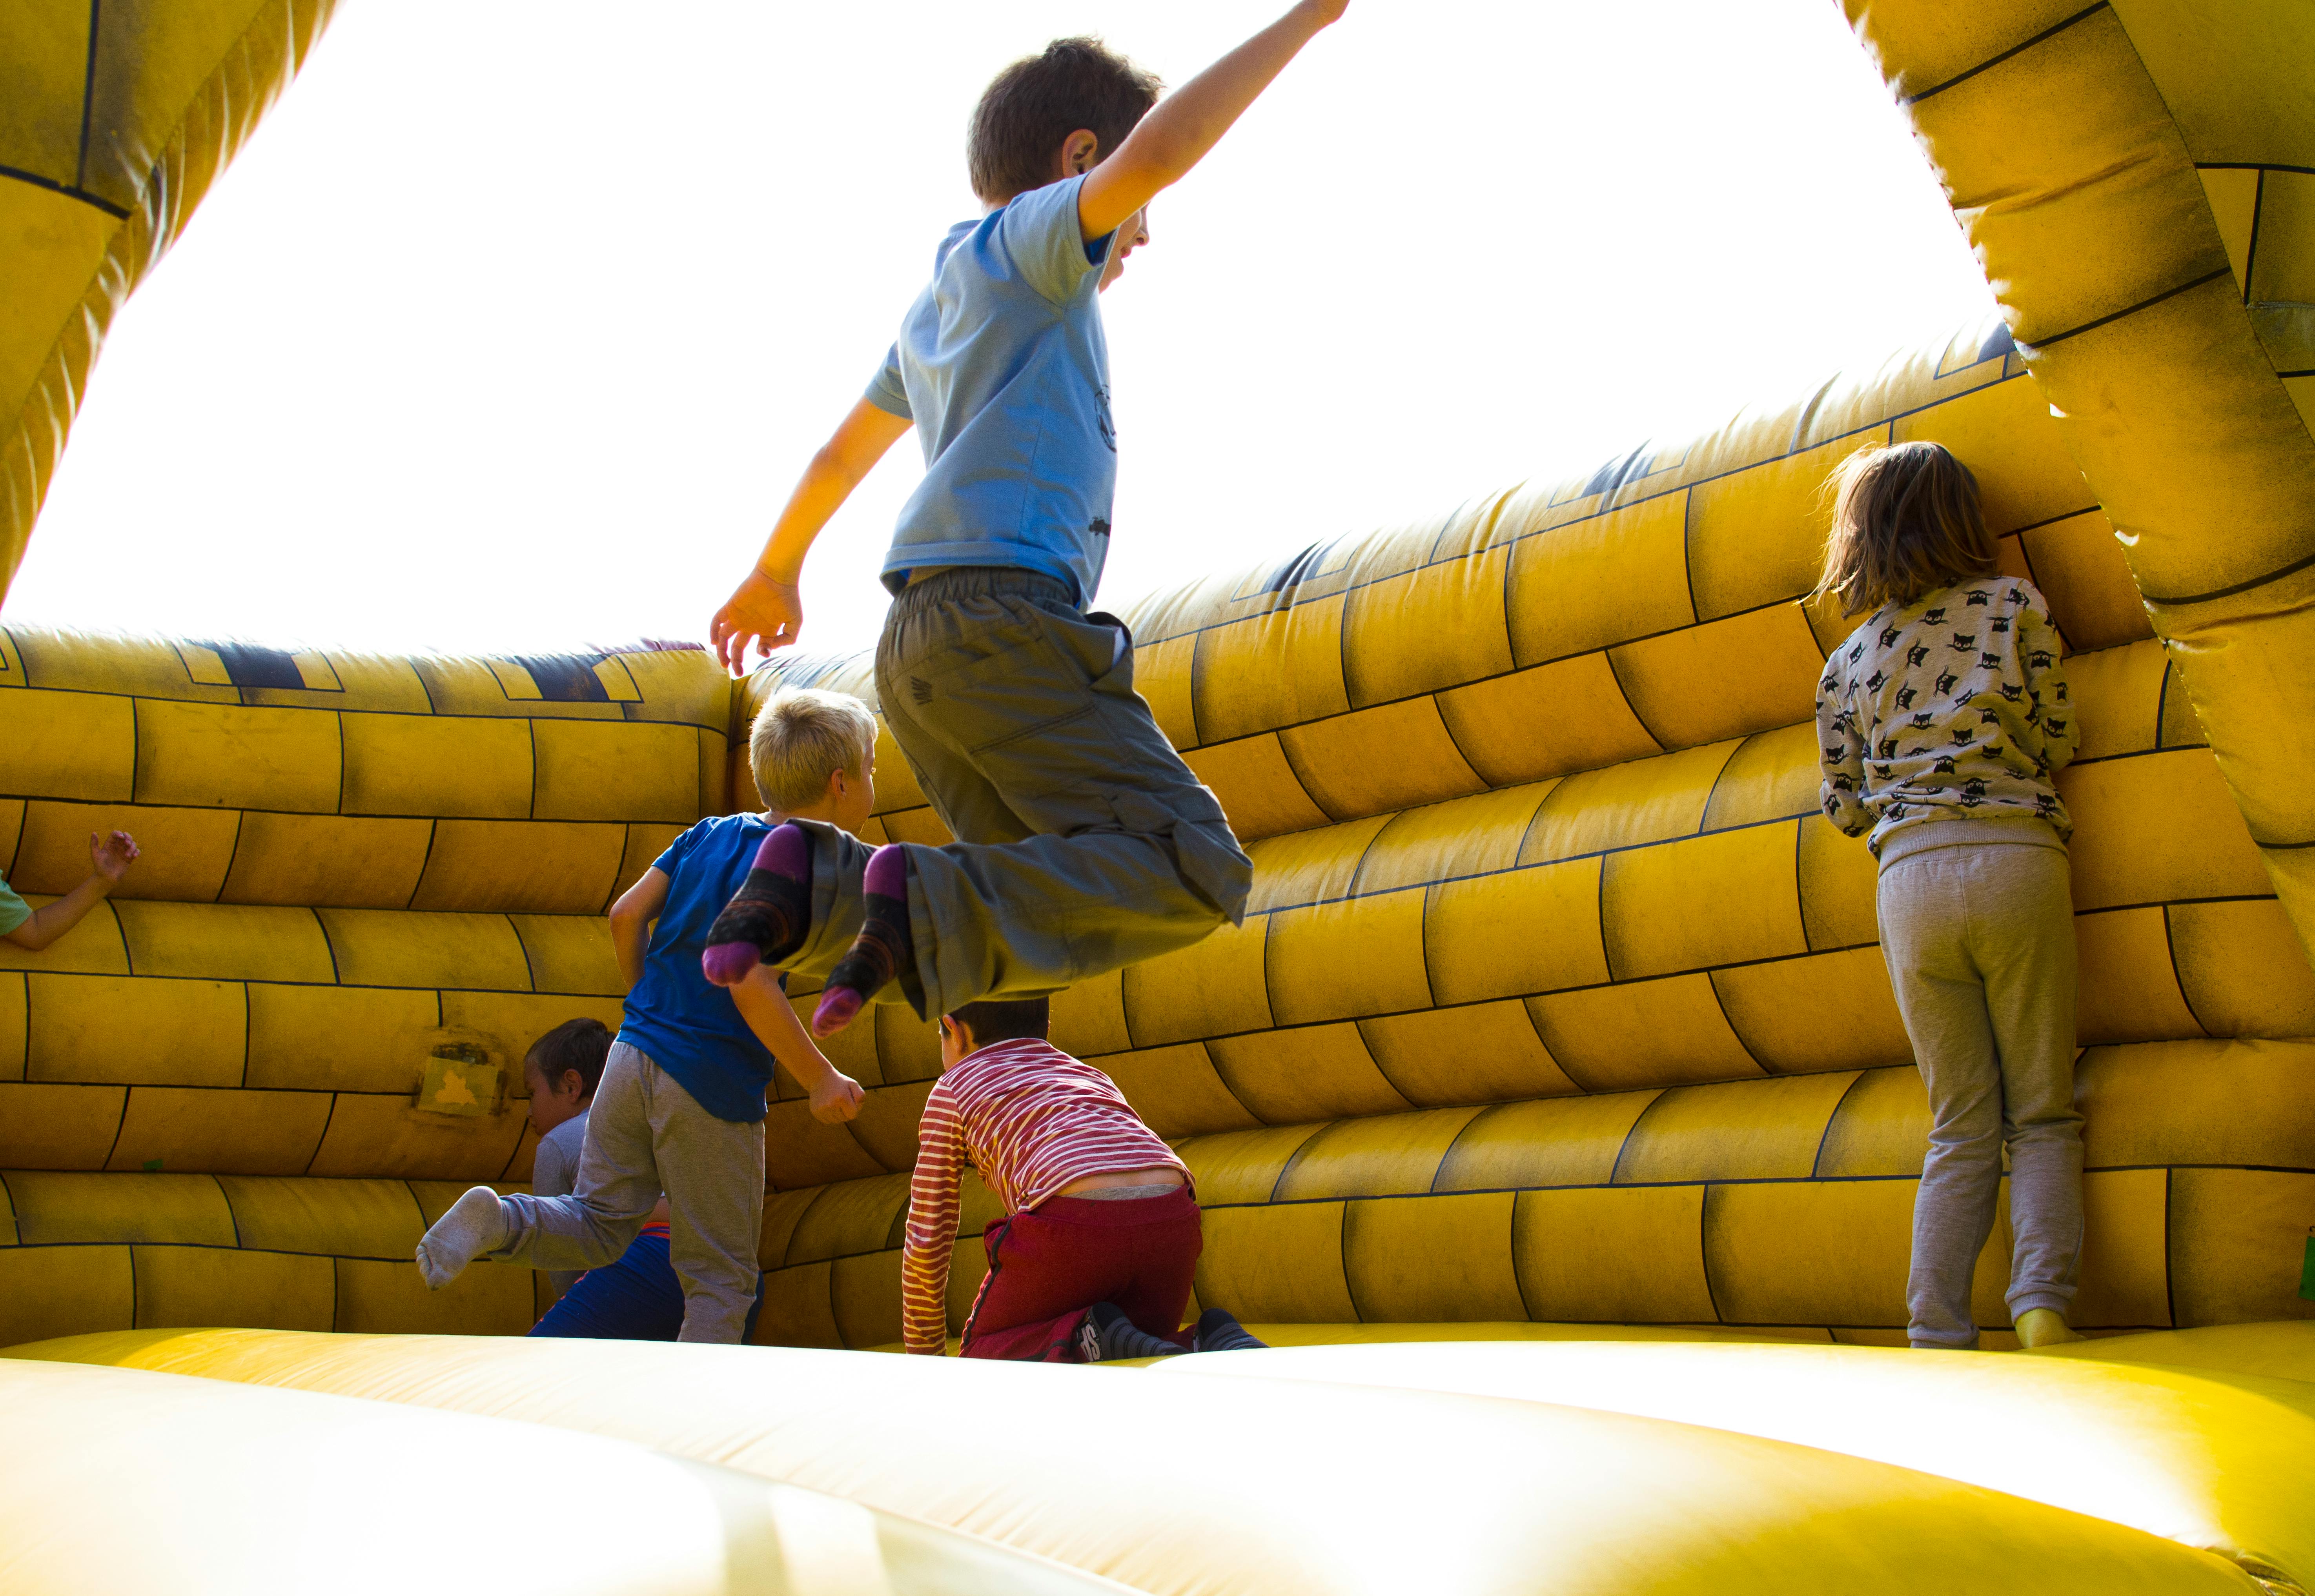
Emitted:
pixel 837 1099
pixel 110 857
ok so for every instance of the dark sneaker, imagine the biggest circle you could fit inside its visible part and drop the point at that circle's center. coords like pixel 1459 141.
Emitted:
pixel 1218 1331
pixel 1107 1334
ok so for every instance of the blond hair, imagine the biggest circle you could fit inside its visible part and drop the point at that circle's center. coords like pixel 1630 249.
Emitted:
pixel 800 738
pixel 1905 522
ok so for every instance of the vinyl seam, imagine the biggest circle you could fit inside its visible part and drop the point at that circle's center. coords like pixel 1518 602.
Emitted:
pixel 2016 49
pixel 119 213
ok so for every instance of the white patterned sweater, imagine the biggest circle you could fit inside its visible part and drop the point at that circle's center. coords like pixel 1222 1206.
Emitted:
pixel 1951 707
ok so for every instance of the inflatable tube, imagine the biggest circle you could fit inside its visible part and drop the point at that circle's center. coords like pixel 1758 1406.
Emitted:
pixel 2137 180
pixel 2278 1352
pixel 2220 1462
pixel 118 121
pixel 119 1483
pixel 1160 1484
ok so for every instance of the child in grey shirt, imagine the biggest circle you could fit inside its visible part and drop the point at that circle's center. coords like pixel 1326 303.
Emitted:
pixel 563 1069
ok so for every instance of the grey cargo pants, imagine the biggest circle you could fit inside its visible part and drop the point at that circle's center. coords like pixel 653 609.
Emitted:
pixel 1084 843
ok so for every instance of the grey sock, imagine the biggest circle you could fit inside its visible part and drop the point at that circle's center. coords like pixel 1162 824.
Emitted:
pixel 476 1224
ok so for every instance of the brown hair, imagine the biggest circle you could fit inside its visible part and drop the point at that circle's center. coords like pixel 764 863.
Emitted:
pixel 1006 1021
pixel 1905 522
pixel 581 1045
pixel 1028 109
pixel 801 738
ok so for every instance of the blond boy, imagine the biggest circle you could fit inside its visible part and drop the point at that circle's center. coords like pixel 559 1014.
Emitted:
pixel 682 1103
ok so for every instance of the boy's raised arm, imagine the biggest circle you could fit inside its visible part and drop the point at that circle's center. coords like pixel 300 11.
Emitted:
pixel 766 612
pixel 1186 124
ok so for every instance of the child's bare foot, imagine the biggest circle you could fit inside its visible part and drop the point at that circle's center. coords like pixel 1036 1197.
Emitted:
pixel 2043 1327
pixel 476 1224
pixel 769 916
pixel 885 946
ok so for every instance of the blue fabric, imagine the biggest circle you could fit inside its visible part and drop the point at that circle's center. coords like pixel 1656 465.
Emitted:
pixel 1003 367
pixel 13 910
pixel 636 1298
pixel 640 1298
pixel 686 1023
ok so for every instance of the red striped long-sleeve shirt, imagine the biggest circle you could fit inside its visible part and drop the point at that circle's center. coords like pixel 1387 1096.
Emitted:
pixel 1031 1119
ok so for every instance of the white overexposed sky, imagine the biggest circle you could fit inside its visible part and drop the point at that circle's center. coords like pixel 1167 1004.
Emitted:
pixel 514 324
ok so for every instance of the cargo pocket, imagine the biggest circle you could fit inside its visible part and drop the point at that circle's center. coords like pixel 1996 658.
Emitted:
pixel 1205 853
pixel 1003 685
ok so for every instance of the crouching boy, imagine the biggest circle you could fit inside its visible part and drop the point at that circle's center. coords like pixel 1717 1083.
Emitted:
pixel 680 1108
pixel 1093 1257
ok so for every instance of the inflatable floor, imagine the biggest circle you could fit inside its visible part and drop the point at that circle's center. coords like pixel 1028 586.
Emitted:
pixel 1550 1110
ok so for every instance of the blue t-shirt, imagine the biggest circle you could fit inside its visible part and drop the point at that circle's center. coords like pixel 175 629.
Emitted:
pixel 1003 367
pixel 688 1023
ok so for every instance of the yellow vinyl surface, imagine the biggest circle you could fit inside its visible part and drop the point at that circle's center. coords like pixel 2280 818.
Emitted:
pixel 1379 1490
pixel 2217 1461
pixel 243 1493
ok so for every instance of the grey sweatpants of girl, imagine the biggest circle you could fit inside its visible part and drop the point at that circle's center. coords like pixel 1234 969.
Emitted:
pixel 645 1134
pixel 1979 938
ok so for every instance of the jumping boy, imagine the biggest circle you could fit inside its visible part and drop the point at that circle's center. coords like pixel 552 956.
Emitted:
pixel 1093 1257
pixel 1085 842
pixel 680 1108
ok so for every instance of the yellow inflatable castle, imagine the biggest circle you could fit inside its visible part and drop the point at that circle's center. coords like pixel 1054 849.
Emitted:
pixel 1550 1110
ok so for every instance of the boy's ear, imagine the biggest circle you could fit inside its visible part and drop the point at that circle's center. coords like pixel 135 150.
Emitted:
pixel 1080 152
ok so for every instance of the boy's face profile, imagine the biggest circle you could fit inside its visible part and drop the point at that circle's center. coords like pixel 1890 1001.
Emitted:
pixel 552 1105
pixel 852 795
pixel 1131 236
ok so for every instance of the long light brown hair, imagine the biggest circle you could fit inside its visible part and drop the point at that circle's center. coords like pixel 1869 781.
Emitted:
pixel 1905 522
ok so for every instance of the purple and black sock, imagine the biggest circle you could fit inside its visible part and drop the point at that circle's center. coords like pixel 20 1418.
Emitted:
pixel 884 947
pixel 769 916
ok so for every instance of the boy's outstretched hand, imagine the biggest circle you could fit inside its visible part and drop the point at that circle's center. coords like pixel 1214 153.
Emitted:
pixel 111 855
pixel 837 1099
pixel 762 614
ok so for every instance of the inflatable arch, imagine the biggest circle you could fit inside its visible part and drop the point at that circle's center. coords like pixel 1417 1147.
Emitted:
pixel 1559 1032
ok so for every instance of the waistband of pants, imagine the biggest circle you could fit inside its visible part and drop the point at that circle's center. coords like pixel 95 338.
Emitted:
pixel 978 581
pixel 1178 1203
pixel 1969 831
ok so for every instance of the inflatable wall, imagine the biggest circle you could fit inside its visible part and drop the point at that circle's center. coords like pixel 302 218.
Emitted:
pixel 1559 1016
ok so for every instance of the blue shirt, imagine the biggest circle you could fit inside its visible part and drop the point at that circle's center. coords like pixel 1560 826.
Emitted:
pixel 1002 365
pixel 688 1023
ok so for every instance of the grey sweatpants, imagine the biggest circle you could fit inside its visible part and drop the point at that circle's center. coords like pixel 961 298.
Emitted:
pixel 1978 939
pixel 1084 842
pixel 645 1135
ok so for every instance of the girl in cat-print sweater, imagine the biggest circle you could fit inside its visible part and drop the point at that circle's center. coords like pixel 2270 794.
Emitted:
pixel 1941 721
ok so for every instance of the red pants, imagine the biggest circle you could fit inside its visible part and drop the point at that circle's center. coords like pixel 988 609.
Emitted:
pixel 1047 1266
